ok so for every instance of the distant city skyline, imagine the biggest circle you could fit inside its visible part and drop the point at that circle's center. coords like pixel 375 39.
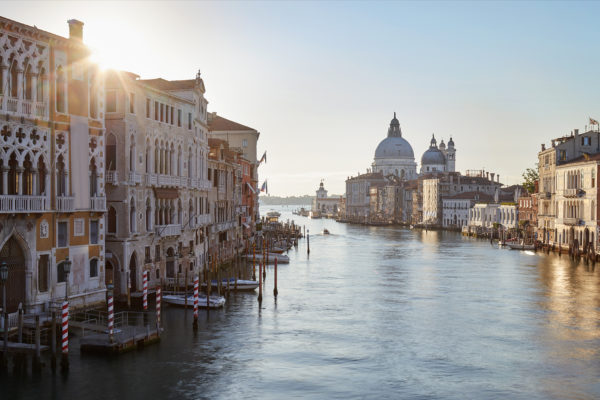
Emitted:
pixel 321 80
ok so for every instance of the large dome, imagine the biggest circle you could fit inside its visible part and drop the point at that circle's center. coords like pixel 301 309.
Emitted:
pixel 433 156
pixel 394 147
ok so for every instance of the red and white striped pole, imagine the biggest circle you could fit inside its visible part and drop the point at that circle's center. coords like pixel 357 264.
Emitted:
pixel 65 336
pixel 111 314
pixel 145 288
pixel 196 283
pixel 158 300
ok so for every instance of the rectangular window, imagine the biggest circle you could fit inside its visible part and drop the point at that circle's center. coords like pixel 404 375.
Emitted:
pixel 178 117
pixel 562 155
pixel 111 101
pixel 94 268
pixel 156 110
pixel 172 113
pixel 63 238
pixel 131 103
pixel 148 108
pixel 60 272
pixel 190 121
pixel 167 113
pixel 245 143
pixel 162 112
pixel 147 254
pixel 43 273
pixel 94 232
pixel 157 252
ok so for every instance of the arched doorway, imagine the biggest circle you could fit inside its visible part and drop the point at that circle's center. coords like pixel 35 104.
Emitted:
pixel 170 263
pixel 109 273
pixel 133 272
pixel 12 254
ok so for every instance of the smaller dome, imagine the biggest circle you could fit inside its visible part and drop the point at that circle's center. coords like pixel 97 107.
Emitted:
pixel 450 142
pixel 442 145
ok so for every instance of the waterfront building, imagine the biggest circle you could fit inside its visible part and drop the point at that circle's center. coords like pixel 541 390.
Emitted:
pixel 394 155
pixel 576 198
pixel 455 208
pixel 527 214
pixel 244 140
pixel 156 160
pixel 563 149
pixel 501 213
pixel 327 206
pixel 358 195
pixel 224 170
pixel 508 216
pixel 52 168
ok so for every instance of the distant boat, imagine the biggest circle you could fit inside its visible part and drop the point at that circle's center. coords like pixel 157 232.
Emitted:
pixel 521 246
pixel 241 284
pixel 325 232
pixel 281 258
pixel 179 300
pixel 315 214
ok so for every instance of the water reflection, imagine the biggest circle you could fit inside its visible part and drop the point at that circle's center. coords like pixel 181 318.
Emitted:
pixel 377 312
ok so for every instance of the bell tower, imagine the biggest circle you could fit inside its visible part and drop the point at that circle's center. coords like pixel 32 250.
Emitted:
pixel 450 156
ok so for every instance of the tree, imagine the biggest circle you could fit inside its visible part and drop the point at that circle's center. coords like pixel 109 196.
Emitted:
pixel 530 176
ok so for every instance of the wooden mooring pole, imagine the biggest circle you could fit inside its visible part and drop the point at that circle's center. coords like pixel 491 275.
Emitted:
pixel 275 292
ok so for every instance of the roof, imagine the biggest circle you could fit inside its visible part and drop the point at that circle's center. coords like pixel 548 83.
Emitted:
pixel 479 196
pixel 370 175
pixel 583 158
pixel 217 123
pixel 163 84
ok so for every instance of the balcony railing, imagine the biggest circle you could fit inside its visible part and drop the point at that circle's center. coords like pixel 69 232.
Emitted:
pixel 168 230
pixel 23 204
pixel 134 178
pixel 571 221
pixel 12 104
pixel 112 177
pixel 570 193
pixel 65 203
pixel 151 180
pixel 203 219
pixel 25 107
pixel 98 203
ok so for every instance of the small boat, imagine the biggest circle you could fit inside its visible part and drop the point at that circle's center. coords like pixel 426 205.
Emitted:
pixel 281 258
pixel 521 246
pixel 325 232
pixel 179 300
pixel 277 250
pixel 241 284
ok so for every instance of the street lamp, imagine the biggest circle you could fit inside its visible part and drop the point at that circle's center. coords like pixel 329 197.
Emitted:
pixel 67 271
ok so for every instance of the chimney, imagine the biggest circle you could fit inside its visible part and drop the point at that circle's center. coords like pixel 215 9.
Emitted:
pixel 498 178
pixel 543 147
pixel 576 132
pixel 75 29
pixel 487 176
pixel 493 176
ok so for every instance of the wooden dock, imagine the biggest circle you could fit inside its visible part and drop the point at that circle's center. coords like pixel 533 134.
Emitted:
pixel 21 348
pixel 124 339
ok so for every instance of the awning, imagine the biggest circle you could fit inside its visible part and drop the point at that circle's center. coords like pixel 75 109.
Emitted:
pixel 166 193
pixel 251 188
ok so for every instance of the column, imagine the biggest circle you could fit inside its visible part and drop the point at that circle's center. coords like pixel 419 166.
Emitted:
pixel 20 90
pixel 4 82
pixel 20 180
pixel 34 183
pixel 34 90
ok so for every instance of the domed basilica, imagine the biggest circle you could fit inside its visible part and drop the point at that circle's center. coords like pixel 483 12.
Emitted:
pixel 395 156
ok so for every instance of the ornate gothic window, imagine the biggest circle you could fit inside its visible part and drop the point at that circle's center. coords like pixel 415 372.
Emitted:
pixel 60 90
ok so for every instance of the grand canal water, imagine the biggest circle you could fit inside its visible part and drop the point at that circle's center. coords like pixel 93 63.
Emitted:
pixel 374 312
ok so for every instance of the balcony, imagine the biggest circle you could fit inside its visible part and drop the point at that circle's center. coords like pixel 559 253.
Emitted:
pixel 133 178
pixel 571 221
pixel 168 230
pixel 23 204
pixel 98 204
pixel 203 219
pixel 223 226
pixel 25 107
pixel 151 180
pixel 65 203
pixel 112 177
pixel 570 193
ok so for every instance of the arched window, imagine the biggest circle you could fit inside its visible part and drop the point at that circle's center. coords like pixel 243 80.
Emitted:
pixel 61 177
pixel 148 157
pixel 132 154
pixel 148 216
pixel 94 268
pixel 112 220
pixel 28 83
pixel 111 152
pixel 41 181
pixel 13 177
pixel 93 178
pixel 132 227
pixel 60 90
pixel 27 176
pixel 179 212
pixel 41 81
pixel 14 80
pixel 156 157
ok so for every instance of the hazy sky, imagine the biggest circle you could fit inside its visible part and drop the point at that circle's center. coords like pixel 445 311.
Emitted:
pixel 321 80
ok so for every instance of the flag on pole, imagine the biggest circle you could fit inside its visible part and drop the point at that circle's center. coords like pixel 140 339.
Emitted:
pixel 263 158
pixel 593 121
pixel 264 188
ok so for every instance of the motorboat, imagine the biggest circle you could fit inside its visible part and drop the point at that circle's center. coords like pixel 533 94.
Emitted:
pixel 242 284
pixel 179 300
pixel 325 232
pixel 520 246
pixel 281 258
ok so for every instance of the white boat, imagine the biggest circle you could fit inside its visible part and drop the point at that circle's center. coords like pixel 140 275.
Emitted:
pixel 281 258
pixel 521 246
pixel 179 300
pixel 241 284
